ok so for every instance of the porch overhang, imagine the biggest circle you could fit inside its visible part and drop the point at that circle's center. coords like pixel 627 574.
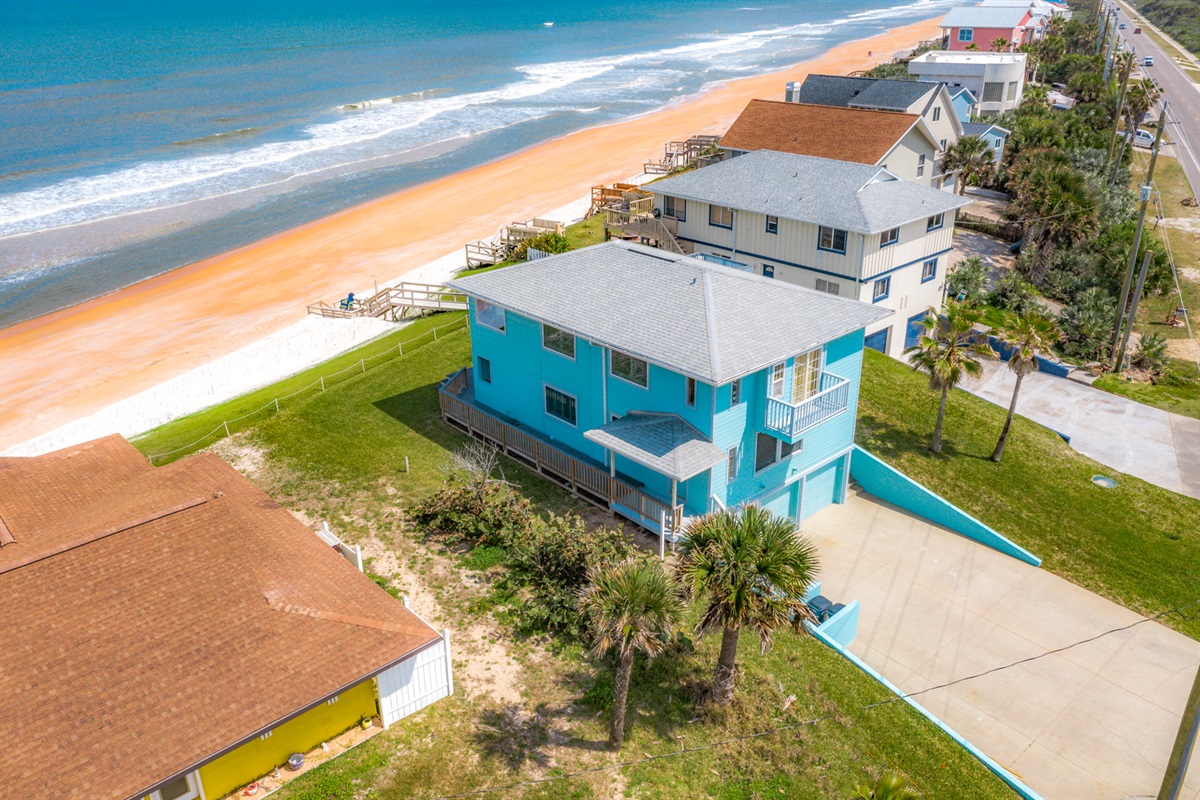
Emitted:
pixel 665 443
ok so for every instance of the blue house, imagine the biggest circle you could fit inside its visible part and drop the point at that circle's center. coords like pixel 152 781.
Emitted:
pixel 662 386
pixel 964 105
pixel 994 135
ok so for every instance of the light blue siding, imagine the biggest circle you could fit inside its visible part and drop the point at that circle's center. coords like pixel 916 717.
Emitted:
pixel 822 487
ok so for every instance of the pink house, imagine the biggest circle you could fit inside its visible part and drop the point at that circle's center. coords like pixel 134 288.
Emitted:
pixel 974 25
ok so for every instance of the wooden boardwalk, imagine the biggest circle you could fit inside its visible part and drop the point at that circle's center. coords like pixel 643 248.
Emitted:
pixel 395 302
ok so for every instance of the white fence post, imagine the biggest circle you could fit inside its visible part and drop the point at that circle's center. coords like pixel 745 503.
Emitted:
pixel 662 535
pixel 449 663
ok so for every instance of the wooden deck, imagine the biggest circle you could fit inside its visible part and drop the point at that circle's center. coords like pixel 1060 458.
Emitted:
pixel 680 154
pixel 484 252
pixel 644 227
pixel 394 302
pixel 590 482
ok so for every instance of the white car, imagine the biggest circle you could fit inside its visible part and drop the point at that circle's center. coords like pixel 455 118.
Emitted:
pixel 1148 61
pixel 1143 138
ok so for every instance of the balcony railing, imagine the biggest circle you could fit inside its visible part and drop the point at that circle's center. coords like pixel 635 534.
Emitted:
pixel 793 419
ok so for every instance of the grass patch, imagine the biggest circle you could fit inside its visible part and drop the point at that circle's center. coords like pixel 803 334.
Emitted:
pixel 584 233
pixel 1130 544
pixel 1177 390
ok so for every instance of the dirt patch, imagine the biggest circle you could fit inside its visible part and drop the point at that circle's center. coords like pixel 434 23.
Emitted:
pixel 241 454
pixel 1184 349
pixel 1190 274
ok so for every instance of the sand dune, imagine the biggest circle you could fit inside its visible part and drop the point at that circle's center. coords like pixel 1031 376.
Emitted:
pixel 71 363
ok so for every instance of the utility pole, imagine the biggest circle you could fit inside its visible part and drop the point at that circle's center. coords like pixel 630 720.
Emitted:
pixel 1103 26
pixel 1137 293
pixel 1185 741
pixel 1137 238
pixel 1112 41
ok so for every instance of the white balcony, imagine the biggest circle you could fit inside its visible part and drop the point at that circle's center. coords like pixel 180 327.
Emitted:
pixel 793 419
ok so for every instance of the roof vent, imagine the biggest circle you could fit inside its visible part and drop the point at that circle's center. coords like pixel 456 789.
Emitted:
pixel 6 536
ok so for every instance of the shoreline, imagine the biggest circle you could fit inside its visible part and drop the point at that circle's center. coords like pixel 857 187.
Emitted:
pixel 71 363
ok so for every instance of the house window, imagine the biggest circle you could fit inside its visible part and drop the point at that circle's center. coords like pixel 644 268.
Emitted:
pixel 735 392
pixel 485 369
pixel 631 369
pixel 881 289
pixel 993 92
pixel 775 389
pixel 720 216
pixel 929 270
pixel 768 271
pixel 829 287
pixel 768 450
pixel 675 207
pixel 832 239
pixel 937 113
pixel 772 224
pixel 942 144
pixel 560 405
pixel 559 341
pixel 691 392
pixel 731 464
pixel 489 315
pixel 186 787
pixel 920 165
pixel 1012 90
pixel 889 237
pixel 806 376
pixel 935 222
pixel 966 34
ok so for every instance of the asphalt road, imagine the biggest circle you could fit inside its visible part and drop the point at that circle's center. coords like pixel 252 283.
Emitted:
pixel 1181 94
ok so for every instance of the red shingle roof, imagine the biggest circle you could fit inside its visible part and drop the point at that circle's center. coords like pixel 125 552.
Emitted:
pixel 860 135
pixel 156 617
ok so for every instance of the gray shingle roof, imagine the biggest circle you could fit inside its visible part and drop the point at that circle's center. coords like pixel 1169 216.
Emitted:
pixel 665 443
pixel 979 17
pixel 711 322
pixel 838 194
pixel 980 128
pixel 880 93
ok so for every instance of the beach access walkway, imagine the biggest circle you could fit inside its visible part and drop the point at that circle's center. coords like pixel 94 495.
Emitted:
pixel 1093 721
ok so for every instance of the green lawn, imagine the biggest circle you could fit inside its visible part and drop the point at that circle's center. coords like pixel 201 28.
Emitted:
pixel 338 455
pixel 1177 390
pixel 1134 544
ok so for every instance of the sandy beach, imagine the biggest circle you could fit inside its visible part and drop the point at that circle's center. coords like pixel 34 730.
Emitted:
pixel 71 363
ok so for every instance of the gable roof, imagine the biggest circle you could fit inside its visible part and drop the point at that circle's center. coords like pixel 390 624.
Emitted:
pixel 846 134
pixel 837 194
pixel 970 95
pixel 666 443
pixel 981 128
pixel 879 93
pixel 981 17
pixel 173 614
pixel 704 320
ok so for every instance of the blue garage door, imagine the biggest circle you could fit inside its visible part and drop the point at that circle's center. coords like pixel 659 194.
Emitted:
pixel 821 488
pixel 877 340
pixel 780 503
pixel 913 332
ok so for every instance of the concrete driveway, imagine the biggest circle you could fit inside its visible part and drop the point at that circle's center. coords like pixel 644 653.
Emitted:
pixel 1095 722
pixel 1130 437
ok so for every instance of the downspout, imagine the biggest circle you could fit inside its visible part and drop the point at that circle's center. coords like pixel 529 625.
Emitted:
pixel 733 219
pixel 604 398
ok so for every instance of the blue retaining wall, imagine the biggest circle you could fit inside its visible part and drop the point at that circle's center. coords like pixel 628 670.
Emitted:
pixel 842 627
pixel 1002 773
pixel 888 483
pixel 1044 365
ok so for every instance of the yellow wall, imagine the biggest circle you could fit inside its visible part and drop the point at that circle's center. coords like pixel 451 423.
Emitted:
pixel 255 759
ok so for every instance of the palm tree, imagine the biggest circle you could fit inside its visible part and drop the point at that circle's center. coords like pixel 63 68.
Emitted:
pixel 634 606
pixel 1139 99
pixel 1027 334
pixel 972 157
pixel 888 787
pixel 1056 206
pixel 949 351
pixel 999 44
pixel 1124 63
pixel 752 568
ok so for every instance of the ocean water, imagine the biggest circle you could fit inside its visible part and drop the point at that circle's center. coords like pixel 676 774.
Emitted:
pixel 137 136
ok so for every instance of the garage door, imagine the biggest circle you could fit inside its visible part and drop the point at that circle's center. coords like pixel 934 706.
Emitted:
pixel 821 488
pixel 780 503
pixel 877 340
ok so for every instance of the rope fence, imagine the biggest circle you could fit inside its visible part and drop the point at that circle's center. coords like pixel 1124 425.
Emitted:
pixel 322 383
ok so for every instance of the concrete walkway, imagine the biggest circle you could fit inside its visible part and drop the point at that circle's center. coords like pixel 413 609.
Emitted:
pixel 1128 436
pixel 1095 722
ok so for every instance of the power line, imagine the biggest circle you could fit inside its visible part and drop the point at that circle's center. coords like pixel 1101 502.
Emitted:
pixel 816 720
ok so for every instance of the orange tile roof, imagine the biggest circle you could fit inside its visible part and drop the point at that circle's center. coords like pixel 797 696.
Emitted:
pixel 155 618
pixel 860 135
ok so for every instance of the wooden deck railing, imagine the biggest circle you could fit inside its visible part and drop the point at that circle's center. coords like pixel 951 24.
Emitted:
pixel 395 300
pixel 587 481
pixel 644 226
pixel 793 419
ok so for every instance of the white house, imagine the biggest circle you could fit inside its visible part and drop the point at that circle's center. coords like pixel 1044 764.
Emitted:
pixel 997 80
pixel 853 230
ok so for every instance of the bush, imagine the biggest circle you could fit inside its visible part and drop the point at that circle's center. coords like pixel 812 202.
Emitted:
pixel 549 242
pixel 1013 293
pixel 1151 353
pixel 551 559
pixel 1087 324
pixel 493 514
pixel 968 280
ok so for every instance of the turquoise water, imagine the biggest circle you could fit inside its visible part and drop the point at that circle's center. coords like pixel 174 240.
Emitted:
pixel 136 137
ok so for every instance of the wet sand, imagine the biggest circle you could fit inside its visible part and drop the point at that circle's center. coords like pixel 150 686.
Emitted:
pixel 73 362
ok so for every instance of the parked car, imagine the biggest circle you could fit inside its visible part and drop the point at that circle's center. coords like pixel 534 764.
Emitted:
pixel 1120 46
pixel 1143 138
pixel 1137 30
pixel 1148 61
pixel 1122 26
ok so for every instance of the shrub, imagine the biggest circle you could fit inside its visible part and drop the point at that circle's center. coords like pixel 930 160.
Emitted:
pixel 968 280
pixel 1013 293
pixel 1087 324
pixel 492 515
pixel 1151 353
pixel 549 242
